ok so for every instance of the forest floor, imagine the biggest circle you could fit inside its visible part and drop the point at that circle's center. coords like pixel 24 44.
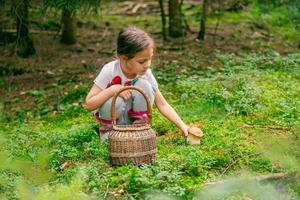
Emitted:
pixel 236 33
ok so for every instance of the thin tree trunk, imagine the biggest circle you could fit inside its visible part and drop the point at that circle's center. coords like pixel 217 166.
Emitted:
pixel 218 21
pixel 2 12
pixel 24 43
pixel 163 19
pixel 175 19
pixel 68 27
pixel 185 22
pixel 201 33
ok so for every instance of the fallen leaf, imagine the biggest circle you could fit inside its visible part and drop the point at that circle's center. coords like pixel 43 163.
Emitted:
pixel 67 164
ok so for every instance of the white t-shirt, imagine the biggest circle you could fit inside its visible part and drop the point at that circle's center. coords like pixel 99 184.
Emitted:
pixel 112 74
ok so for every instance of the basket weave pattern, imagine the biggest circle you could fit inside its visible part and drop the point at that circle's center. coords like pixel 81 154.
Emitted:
pixel 133 143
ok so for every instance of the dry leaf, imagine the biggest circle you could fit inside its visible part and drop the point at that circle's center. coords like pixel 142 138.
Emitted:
pixel 67 164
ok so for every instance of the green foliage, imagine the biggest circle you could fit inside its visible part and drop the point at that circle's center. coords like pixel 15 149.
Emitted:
pixel 72 5
pixel 60 191
pixel 283 14
pixel 242 86
pixel 77 95
pixel 166 75
pixel 269 4
pixel 254 89
pixel 78 143
pixel 279 19
pixel 49 24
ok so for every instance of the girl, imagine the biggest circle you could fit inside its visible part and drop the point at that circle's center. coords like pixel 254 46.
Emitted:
pixel 134 51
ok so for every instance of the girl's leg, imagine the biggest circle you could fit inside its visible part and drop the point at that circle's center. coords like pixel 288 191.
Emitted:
pixel 139 106
pixel 103 115
pixel 105 109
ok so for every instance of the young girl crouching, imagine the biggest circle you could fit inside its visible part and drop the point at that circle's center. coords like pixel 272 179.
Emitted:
pixel 135 50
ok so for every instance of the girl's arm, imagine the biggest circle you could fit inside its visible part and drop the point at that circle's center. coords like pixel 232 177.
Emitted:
pixel 167 111
pixel 97 96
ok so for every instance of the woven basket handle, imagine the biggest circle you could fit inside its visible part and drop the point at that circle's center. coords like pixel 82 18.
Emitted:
pixel 113 104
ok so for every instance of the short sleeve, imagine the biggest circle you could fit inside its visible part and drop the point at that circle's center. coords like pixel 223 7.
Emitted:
pixel 150 77
pixel 103 78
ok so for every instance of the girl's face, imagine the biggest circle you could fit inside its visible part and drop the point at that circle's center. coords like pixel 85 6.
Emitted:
pixel 140 63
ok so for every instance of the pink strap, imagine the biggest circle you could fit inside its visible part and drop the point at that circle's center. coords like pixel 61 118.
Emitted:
pixel 132 113
pixel 140 117
pixel 101 120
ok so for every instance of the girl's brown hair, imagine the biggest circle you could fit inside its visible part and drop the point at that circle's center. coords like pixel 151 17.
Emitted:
pixel 132 40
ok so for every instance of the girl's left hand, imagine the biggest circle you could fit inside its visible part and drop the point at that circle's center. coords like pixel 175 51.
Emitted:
pixel 126 94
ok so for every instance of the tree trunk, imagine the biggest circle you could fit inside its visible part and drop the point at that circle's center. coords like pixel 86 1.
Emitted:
pixel 2 13
pixel 175 19
pixel 201 33
pixel 24 43
pixel 68 27
pixel 163 19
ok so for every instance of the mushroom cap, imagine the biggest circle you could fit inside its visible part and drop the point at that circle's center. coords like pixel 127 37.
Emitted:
pixel 195 131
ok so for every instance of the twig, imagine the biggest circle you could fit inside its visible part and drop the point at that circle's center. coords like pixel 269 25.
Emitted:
pixel 266 126
pixel 31 32
pixel 106 191
pixel 129 6
pixel 276 127
pixel 273 177
pixel 137 7
pixel 235 161
pixel 260 178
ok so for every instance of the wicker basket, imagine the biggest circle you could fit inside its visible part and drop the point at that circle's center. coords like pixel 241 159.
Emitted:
pixel 134 143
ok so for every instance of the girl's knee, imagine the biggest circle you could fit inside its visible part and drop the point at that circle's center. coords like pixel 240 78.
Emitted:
pixel 139 103
pixel 146 87
pixel 105 110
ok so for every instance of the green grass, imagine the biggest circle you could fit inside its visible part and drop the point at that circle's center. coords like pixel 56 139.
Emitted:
pixel 255 89
pixel 281 21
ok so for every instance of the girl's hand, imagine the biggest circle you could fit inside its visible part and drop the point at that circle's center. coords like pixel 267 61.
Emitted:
pixel 191 130
pixel 184 131
pixel 115 88
pixel 126 94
